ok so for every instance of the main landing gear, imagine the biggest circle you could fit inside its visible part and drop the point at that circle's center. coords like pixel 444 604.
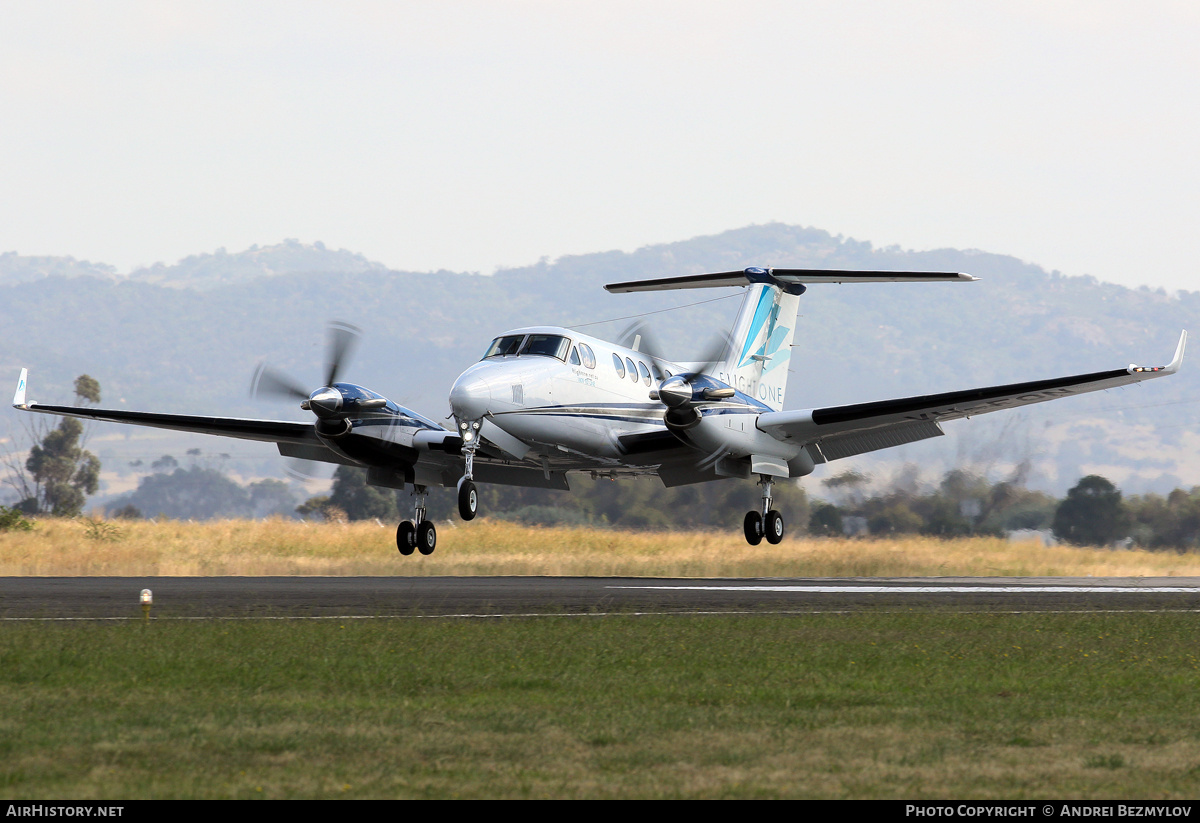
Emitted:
pixel 421 537
pixel 768 523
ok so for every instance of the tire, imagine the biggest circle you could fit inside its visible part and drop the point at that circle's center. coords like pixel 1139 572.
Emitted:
pixel 426 537
pixel 753 527
pixel 468 500
pixel 773 526
pixel 406 538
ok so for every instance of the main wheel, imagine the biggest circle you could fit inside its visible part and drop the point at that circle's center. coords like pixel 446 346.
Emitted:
pixel 468 500
pixel 426 537
pixel 753 526
pixel 406 538
pixel 773 526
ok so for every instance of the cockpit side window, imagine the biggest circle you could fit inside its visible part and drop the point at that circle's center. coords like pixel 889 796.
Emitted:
pixel 574 357
pixel 547 345
pixel 504 346
pixel 589 359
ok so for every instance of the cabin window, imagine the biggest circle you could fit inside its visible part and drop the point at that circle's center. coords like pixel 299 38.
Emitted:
pixel 504 346
pixel 574 357
pixel 645 372
pixel 547 345
pixel 632 369
pixel 589 359
pixel 618 365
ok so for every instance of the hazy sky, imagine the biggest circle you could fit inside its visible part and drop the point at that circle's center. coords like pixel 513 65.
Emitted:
pixel 470 136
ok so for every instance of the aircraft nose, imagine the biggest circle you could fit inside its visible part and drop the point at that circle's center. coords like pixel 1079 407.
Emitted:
pixel 469 397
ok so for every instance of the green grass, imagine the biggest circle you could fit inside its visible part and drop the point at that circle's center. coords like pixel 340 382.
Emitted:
pixel 857 705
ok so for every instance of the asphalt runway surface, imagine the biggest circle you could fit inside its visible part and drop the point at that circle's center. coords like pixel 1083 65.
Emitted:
pixel 23 598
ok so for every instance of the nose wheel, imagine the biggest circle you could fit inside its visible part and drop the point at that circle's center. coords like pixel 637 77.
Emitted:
pixel 421 536
pixel 468 499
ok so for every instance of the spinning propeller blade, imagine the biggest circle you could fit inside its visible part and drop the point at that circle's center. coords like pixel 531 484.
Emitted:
pixel 268 382
pixel 712 353
pixel 343 337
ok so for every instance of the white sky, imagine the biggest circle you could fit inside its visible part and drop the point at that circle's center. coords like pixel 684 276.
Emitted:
pixel 469 136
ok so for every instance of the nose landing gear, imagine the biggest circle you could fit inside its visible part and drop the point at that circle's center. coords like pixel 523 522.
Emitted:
pixel 468 497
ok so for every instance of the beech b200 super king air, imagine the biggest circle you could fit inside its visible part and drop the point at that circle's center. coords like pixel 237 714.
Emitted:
pixel 546 401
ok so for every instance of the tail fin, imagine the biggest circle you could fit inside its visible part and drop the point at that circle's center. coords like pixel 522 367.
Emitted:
pixel 760 346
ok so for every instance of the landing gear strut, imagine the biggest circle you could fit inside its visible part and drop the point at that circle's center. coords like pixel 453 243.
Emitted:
pixel 468 497
pixel 420 537
pixel 768 523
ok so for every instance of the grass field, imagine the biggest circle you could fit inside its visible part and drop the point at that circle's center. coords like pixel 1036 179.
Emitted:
pixel 276 547
pixel 867 705
pixel 873 704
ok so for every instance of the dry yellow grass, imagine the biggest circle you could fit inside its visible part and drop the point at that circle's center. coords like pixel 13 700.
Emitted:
pixel 490 547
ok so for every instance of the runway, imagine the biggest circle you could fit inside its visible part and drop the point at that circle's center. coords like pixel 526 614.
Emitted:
pixel 116 598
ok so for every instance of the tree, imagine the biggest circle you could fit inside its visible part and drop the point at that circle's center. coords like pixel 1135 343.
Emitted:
pixel 825 521
pixel 1092 514
pixel 195 493
pixel 360 501
pixel 61 472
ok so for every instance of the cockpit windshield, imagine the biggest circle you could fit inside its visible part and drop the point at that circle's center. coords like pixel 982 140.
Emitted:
pixel 504 346
pixel 544 345
pixel 547 345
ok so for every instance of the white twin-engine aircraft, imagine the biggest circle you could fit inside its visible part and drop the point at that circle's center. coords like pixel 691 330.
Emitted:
pixel 545 401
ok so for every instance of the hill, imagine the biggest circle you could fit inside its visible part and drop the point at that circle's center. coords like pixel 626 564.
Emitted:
pixel 187 337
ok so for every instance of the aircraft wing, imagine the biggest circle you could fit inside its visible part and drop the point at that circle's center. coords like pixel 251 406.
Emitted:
pixel 271 431
pixel 842 431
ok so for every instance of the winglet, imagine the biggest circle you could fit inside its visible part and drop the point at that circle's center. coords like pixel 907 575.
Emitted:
pixel 1171 367
pixel 19 397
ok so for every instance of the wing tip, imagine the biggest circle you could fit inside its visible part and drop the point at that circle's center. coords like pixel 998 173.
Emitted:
pixel 1177 360
pixel 1170 368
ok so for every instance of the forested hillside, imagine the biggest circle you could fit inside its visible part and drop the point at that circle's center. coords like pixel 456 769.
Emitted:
pixel 187 337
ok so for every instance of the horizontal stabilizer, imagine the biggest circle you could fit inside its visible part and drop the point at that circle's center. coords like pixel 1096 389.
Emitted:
pixel 788 279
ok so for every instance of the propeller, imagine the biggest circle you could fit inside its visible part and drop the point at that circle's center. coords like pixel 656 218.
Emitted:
pixel 681 392
pixel 327 402
pixel 269 382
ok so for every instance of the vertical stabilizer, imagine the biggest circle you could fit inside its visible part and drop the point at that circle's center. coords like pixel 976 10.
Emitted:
pixel 760 349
